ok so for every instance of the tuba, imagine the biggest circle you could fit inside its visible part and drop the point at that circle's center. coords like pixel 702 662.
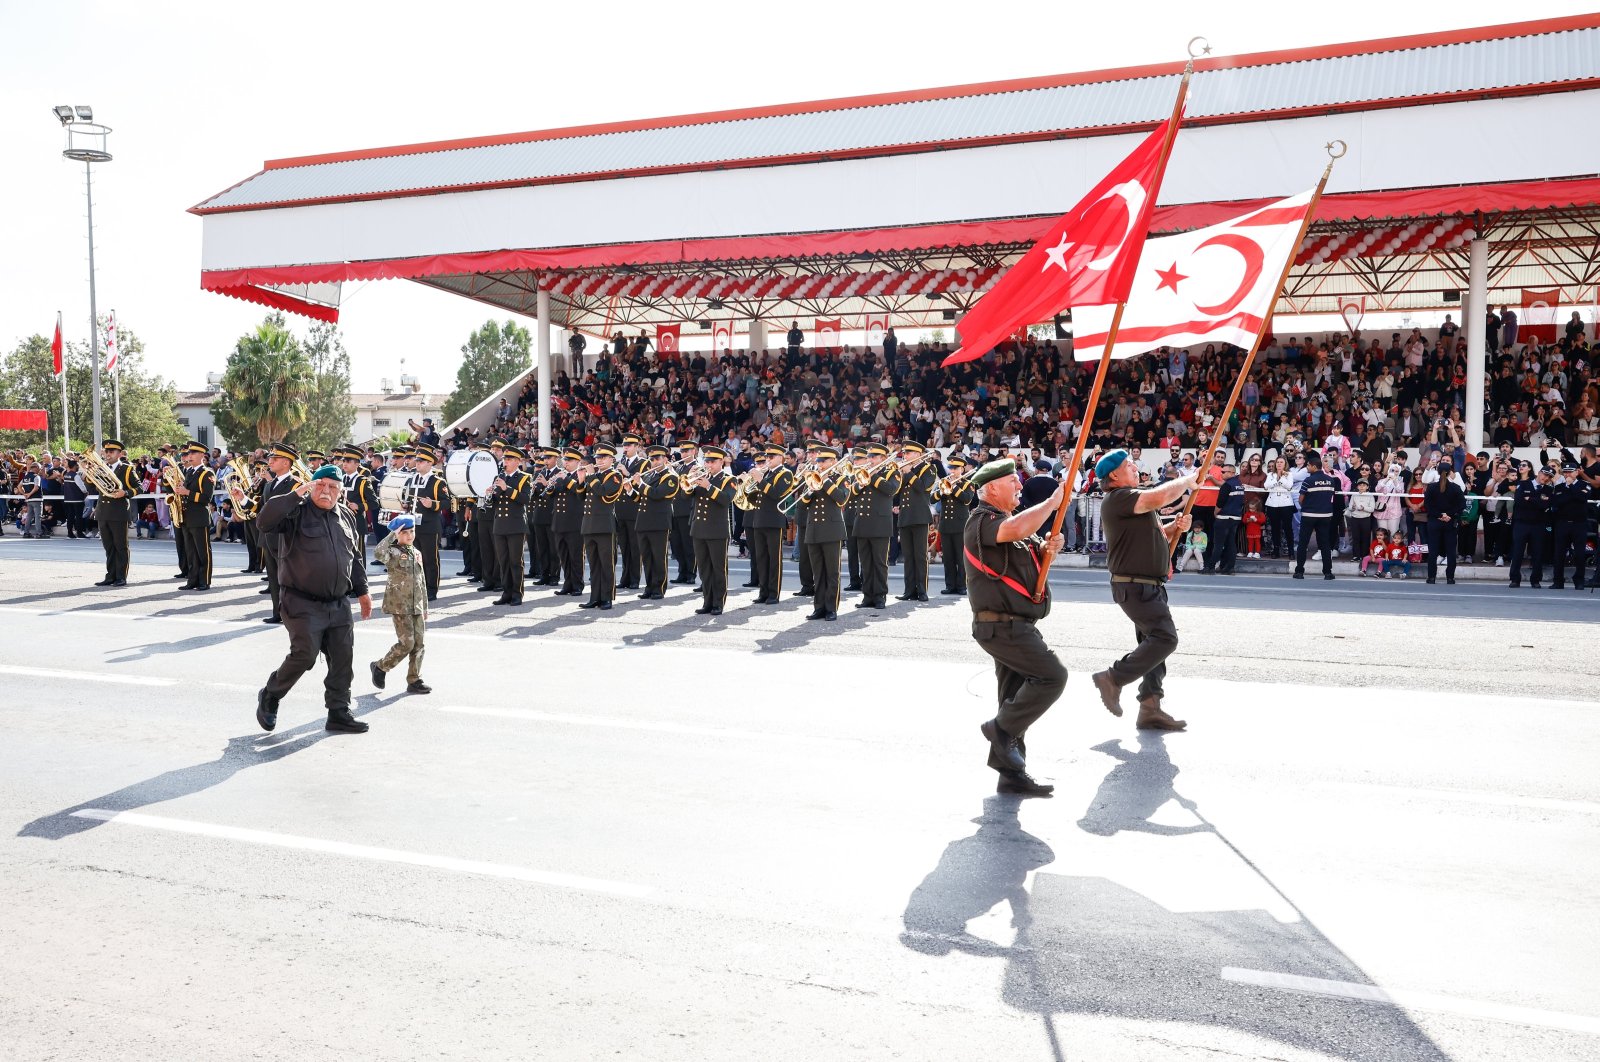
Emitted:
pixel 244 506
pixel 172 478
pixel 96 471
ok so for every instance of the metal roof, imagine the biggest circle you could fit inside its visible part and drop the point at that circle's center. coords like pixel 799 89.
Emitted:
pixel 1514 60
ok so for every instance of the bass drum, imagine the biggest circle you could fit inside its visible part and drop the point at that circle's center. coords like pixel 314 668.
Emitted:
pixel 395 494
pixel 471 473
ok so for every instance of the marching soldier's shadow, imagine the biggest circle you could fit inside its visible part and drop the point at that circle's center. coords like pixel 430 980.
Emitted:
pixel 240 753
pixel 199 641
pixel 1136 789
pixel 734 614
pixel 485 609
pixel 1091 946
pixel 807 631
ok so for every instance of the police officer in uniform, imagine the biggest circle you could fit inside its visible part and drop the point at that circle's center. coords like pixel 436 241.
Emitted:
pixel 433 497
pixel 914 508
pixel 1003 563
pixel 711 493
pixel 825 531
pixel 280 459
pixel 324 560
pixel 111 516
pixel 199 484
pixel 1228 518
pixel 627 513
pixel 763 526
pixel 513 489
pixel 547 562
pixel 658 487
pixel 1531 507
pixel 1571 511
pixel 566 522
pixel 1317 492
pixel 683 549
pixel 601 491
pixel 955 505
pixel 875 525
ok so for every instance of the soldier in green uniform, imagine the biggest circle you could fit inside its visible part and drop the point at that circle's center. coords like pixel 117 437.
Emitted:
pixel 601 490
pixel 955 496
pixel 825 531
pixel 764 526
pixel 914 507
pixel 627 513
pixel 111 515
pixel 405 599
pixel 547 562
pixel 658 486
pixel 566 522
pixel 875 525
pixel 712 495
pixel 513 489
pixel 683 517
pixel 199 484
pixel 432 498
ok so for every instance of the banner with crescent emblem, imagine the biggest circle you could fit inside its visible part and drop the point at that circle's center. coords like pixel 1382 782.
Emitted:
pixel 827 332
pixel 1213 285
pixel 722 337
pixel 667 340
pixel 1539 315
pixel 875 326
pixel 1086 258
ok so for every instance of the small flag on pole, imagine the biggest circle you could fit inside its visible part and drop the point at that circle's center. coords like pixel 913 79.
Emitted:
pixel 55 348
pixel 111 341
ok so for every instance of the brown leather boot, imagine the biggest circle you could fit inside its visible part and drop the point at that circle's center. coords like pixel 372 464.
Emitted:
pixel 1151 717
pixel 1110 692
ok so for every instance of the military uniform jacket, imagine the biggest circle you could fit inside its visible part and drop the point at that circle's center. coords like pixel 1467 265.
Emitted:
pixel 683 504
pixel 1230 498
pixel 628 508
pixel 1532 503
pixel 1001 575
pixel 543 501
pixel 600 494
pixel 407 591
pixel 655 508
pixel 510 504
pixel 359 491
pixel 767 493
pixel 916 496
pixel 320 551
pixel 1571 500
pixel 824 511
pixel 713 508
pixel 855 507
pixel 955 507
pixel 566 504
pixel 117 508
pixel 429 518
pixel 877 514
pixel 199 484
pixel 1317 492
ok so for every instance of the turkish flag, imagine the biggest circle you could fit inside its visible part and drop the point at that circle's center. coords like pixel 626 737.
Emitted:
pixel 827 332
pixel 55 349
pixel 667 340
pixel 1213 285
pixel 722 337
pixel 1086 258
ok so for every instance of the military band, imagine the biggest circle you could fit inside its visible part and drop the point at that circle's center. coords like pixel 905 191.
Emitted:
pixel 955 495
pixel 199 485
pixel 657 488
pixel 111 514
pixel 710 491
pixel 914 509
pixel 879 478
pixel 431 497
pixel 545 560
pixel 764 523
pixel 566 521
pixel 824 495
pixel 683 518
pixel 630 463
pixel 513 490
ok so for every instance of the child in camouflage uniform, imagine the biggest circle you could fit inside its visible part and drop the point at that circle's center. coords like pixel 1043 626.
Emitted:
pixel 406 599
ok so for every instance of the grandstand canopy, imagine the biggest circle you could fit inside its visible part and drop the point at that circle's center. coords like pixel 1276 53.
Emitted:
pixel 910 203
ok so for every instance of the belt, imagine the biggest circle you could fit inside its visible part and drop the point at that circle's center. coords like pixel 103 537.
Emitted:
pixel 985 616
pixel 312 597
pixel 1137 579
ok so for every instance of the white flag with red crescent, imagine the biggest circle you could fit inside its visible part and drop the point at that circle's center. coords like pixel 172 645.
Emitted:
pixel 111 341
pixel 1213 285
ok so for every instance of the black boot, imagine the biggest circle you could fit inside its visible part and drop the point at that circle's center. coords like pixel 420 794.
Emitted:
pixel 341 721
pixel 266 710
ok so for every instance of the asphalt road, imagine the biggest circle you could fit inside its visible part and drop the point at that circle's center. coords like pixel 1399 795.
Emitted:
pixel 654 835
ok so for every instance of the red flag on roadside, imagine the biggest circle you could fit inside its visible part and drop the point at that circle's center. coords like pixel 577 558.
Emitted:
pixel 55 348
pixel 1086 258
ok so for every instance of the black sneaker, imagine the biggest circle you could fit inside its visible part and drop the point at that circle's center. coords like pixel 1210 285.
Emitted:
pixel 378 677
pixel 418 687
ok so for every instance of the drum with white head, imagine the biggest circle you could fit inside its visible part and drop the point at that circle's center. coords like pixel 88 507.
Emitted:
pixel 470 473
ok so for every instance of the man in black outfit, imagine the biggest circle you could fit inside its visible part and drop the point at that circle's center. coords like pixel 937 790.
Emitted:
pixel 1571 506
pixel 825 531
pixel 1444 501
pixel 199 484
pixel 322 559
pixel 509 498
pixel 1003 564
pixel 654 523
pixel 1225 522
pixel 1530 512
pixel 682 541
pixel 111 515
pixel 1317 492
pixel 955 505
pixel 280 459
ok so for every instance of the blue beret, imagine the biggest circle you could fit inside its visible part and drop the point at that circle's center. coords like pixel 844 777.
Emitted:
pixel 327 472
pixel 403 522
pixel 1109 463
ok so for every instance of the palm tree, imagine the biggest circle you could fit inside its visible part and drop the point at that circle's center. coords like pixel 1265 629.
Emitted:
pixel 268 380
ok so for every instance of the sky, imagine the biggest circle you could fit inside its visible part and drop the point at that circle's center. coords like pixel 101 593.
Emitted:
pixel 200 94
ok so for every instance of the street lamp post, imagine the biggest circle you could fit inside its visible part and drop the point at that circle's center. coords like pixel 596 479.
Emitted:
pixel 86 143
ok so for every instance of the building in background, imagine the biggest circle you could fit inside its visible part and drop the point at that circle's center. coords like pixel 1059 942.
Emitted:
pixel 377 414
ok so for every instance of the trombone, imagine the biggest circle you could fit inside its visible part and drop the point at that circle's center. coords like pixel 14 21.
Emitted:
pixel 949 483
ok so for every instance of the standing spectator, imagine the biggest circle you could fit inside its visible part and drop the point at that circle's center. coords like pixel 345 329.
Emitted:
pixel 1280 508
pixel 1255 521
pixel 796 340
pixel 576 345
pixel 1443 502
pixel 1359 516
pixel 1530 512
pixel 1508 328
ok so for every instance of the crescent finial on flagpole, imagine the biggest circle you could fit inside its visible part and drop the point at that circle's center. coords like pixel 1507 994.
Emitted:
pixel 1205 47
pixel 1343 147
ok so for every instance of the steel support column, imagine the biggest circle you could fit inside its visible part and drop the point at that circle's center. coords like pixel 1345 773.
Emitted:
pixel 542 348
pixel 1477 340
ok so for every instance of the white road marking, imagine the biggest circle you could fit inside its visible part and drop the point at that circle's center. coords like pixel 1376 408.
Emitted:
pixel 1504 800
pixel 1471 1008
pixel 361 851
pixel 613 723
pixel 85 676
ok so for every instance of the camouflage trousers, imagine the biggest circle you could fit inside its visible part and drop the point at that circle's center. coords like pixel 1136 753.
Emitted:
pixel 408 630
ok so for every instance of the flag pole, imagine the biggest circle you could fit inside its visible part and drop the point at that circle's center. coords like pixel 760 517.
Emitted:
pixel 1221 424
pixel 66 417
pixel 1111 343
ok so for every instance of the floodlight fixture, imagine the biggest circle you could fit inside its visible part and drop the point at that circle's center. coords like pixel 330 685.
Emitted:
pixel 64 113
pixel 704 324
pixel 85 114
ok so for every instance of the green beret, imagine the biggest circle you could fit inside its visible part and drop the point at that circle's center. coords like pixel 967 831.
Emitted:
pixel 994 470
pixel 327 472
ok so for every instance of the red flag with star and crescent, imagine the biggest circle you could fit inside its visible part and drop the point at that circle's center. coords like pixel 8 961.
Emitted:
pixel 1086 258
pixel 55 349
pixel 1212 285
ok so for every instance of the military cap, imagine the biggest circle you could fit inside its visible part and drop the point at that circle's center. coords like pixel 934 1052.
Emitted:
pixel 497 441
pixel 994 470
pixel 630 439
pixel 776 451
pixel 656 451
pixel 403 450
pixel 813 445
pixel 572 453
pixel 517 452
pixel 913 447
pixel 318 454
pixel 875 450
pixel 195 447
pixel 1569 466
pixel 284 450
pixel 326 472
pixel 714 453
pixel 112 444
pixel 605 450
pixel 1109 463
pixel 957 459
pixel 423 453
pixel 824 450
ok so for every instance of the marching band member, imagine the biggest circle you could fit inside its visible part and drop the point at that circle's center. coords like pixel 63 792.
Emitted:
pixel 955 496
pixel 629 464
pixel 601 490
pixel 808 584
pixel 566 522
pixel 359 494
pixel 199 484
pixel 546 561
pixel 683 550
pixel 659 486
pixel 875 524
pixel 432 496
pixel 712 493
pixel 315 459
pixel 111 515
pixel 280 459
pixel 914 506
pixel 764 526
pixel 255 564
pixel 513 489
pixel 825 531
pixel 489 574
pixel 859 501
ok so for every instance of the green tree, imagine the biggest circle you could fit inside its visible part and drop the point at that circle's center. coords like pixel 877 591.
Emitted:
pixel 27 381
pixel 330 415
pixel 491 358
pixel 266 387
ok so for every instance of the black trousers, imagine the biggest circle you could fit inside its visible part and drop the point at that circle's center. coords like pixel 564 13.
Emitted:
pixel 535 572
pixel 570 545
pixel 808 579
pixel 824 557
pixel 428 546
pixel 1442 538
pixel 683 549
pixel 197 544
pixel 1569 539
pixel 270 554
pixel 653 559
pixel 1322 527
pixel 316 627
pixel 489 574
pixel 914 555
pixel 469 551
pixel 1525 539
pixel 601 550
pixel 252 546
pixel 508 562
pixel 1280 521
pixel 955 567
pixel 179 540
pixel 1028 677
pixel 1225 537
pixel 766 559
pixel 1155 632
pixel 874 568
pixel 1360 535
pixel 547 560
pixel 114 541
pixel 853 548
pixel 711 558
pixel 627 540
